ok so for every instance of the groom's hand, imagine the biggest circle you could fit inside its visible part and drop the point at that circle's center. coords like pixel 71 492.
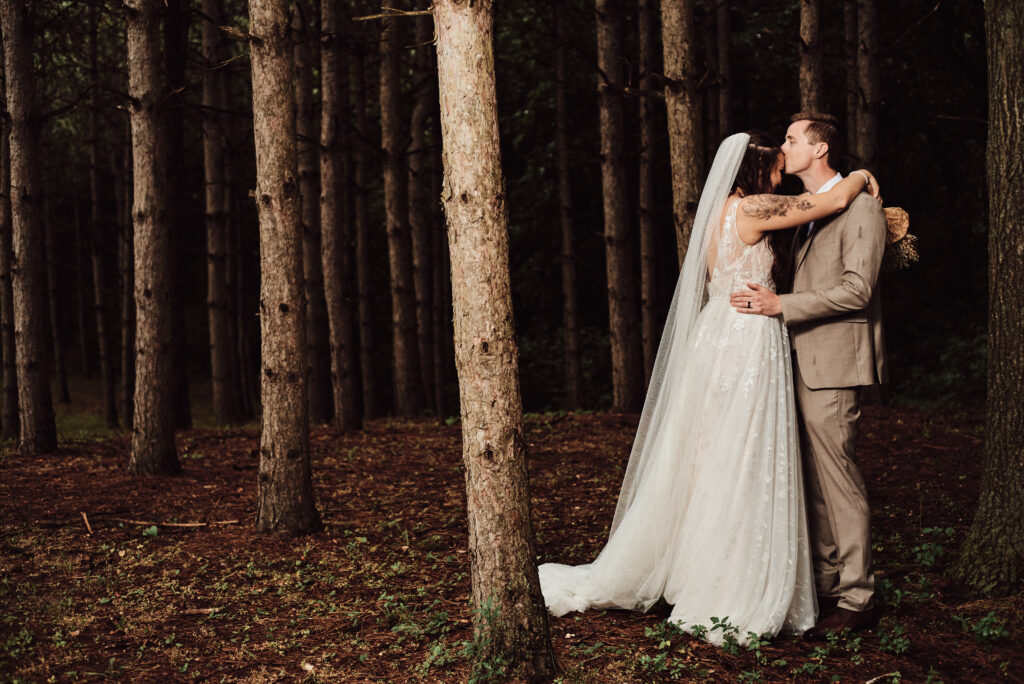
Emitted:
pixel 757 300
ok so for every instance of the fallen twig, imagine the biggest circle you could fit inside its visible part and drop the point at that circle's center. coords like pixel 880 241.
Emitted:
pixel 85 518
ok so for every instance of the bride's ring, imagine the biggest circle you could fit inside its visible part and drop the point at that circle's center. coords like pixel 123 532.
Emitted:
pixel 748 303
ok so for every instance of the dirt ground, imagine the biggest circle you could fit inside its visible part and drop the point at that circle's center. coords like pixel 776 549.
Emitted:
pixel 381 594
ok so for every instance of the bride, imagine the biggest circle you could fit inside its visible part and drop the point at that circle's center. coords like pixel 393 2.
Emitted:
pixel 711 513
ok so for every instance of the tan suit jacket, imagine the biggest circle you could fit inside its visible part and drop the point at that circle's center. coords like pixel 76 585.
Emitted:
pixel 834 314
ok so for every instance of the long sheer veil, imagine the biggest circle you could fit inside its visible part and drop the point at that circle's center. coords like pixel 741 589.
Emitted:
pixel 687 301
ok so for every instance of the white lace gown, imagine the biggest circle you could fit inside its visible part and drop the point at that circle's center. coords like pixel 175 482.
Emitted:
pixel 717 523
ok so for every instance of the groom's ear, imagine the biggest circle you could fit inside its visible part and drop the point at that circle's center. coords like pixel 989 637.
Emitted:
pixel 820 150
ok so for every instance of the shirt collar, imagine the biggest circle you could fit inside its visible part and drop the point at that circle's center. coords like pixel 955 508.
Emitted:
pixel 830 183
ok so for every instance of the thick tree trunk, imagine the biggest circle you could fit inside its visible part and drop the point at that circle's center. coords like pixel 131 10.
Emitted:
pixel 336 224
pixel 420 201
pixel 407 381
pixel 176 26
pixel 9 400
pixel 99 229
pixel 648 139
pixel 364 267
pixel 53 305
pixel 227 408
pixel 724 65
pixel 812 56
pixel 992 558
pixel 627 360
pixel 570 316
pixel 126 262
pixel 683 110
pixel 153 450
pixel 308 132
pixel 869 80
pixel 285 499
pixel 852 89
pixel 38 432
pixel 509 609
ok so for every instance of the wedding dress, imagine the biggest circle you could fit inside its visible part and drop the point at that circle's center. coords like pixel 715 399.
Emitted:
pixel 711 512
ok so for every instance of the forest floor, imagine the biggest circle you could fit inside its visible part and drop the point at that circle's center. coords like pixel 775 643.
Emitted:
pixel 381 594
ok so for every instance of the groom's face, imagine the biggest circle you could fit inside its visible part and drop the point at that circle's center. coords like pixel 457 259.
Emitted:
pixel 800 153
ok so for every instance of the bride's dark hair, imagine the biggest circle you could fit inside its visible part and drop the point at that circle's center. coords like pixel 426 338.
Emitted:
pixel 755 178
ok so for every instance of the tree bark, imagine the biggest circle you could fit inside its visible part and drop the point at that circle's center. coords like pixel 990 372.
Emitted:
pixel 285 499
pixel 53 306
pixel 336 224
pixel 627 360
pixel 724 66
pixel 227 409
pixel 308 132
pixel 812 58
pixel 570 316
pixel 992 558
pixel 38 432
pixel 9 401
pixel 709 29
pixel 126 262
pixel 153 450
pixel 407 380
pixel 648 138
pixel 869 80
pixel 176 27
pixel 509 609
pixel 420 219
pixel 98 232
pixel 364 267
pixel 852 89
pixel 683 110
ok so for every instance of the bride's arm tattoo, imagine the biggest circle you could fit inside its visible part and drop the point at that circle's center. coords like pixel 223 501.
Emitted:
pixel 764 207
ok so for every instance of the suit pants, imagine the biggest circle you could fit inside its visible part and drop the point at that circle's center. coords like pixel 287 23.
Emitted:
pixel 837 504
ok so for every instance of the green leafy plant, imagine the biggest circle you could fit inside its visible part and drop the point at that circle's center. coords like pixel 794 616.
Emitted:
pixel 893 641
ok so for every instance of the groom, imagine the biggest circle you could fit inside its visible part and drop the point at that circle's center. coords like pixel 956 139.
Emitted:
pixel 835 323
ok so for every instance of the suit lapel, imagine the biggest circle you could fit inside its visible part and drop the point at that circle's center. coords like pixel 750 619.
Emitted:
pixel 802 254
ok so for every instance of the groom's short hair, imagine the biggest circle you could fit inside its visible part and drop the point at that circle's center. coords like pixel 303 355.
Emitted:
pixel 821 128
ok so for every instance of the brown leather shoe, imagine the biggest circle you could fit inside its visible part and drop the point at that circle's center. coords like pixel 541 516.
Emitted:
pixel 827 605
pixel 843 619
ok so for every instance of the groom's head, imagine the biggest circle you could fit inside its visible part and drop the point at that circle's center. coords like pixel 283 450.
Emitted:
pixel 810 141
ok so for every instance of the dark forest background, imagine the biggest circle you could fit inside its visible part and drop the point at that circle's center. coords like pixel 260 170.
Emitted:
pixel 930 162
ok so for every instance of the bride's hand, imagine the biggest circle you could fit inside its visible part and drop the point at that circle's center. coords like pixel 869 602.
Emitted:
pixel 872 187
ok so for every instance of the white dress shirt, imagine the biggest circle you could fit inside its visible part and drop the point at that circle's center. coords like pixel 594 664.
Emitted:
pixel 829 184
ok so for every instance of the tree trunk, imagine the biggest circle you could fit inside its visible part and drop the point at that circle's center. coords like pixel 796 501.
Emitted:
pixel 38 432
pixel 336 224
pixel 627 360
pixel 648 139
pixel 126 261
pixel 99 230
pixel 308 132
pixel 869 80
pixel 53 304
pixel 510 617
pixel 709 28
pixel 570 316
pixel 420 201
pixel 176 27
pixel 724 65
pixel 364 267
pixel 683 109
pixel 9 401
pixel 153 450
pixel 227 408
pixel 992 559
pixel 285 499
pixel 408 383
pixel 812 58
pixel 852 90
pixel 81 296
